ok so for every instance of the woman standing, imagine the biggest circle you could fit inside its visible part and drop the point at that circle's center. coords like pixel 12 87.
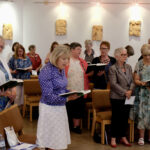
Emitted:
pixel 35 59
pixel 54 44
pixel 53 129
pixel 22 62
pixel 100 78
pixel 121 87
pixel 5 76
pixel 142 73
pixel 89 52
pixel 77 80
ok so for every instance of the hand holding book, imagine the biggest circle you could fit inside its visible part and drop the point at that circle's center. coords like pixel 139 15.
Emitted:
pixel 72 97
pixel 78 93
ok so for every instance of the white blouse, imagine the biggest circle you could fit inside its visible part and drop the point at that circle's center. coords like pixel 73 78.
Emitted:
pixel 75 76
pixel 2 75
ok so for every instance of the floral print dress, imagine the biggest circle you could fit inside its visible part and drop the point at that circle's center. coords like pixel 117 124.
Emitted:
pixel 142 101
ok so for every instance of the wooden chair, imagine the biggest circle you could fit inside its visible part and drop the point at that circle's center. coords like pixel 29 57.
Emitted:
pixel 33 77
pixel 102 113
pixel 32 95
pixel 89 104
pixel 12 117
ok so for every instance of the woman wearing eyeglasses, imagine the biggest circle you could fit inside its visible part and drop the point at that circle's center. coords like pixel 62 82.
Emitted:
pixel 142 103
pixel 100 78
pixel 121 87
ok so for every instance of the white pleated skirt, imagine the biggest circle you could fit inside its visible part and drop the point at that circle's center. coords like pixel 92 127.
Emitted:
pixel 53 128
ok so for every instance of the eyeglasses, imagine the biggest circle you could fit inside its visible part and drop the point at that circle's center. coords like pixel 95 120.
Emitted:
pixel 103 48
pixel 123 54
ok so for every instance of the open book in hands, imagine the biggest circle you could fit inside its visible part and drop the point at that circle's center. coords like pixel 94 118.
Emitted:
pixel 22 69
pixel 96 67
pixel 79 93
pixel 10 84
pixel 147 82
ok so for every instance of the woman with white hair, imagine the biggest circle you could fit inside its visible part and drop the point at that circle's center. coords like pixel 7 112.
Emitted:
pixel 142 74
pixel 53 128
pixel 5 75
pixel 121 87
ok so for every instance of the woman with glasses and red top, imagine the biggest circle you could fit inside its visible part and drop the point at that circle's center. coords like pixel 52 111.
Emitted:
pixel 100 78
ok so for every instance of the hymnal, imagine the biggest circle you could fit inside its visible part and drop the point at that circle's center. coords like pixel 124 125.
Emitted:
pixel 147 83
pixel 79 93
pixel 22 69
pixel 10 84
pixel 96 67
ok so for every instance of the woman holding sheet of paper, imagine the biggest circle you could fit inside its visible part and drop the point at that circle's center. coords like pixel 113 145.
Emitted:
pixel 142 102
pixel 53 129
pixel 121 87
pixel 5 75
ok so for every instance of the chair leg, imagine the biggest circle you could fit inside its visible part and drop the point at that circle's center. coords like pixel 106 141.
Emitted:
pixel 133 131
pixel 31 113
pixel 130 124
pixel 89 112
pixel 24 110
pixel 102 133
pixel 93 126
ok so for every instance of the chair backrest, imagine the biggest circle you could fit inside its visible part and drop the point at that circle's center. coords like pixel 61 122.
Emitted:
pixel 32 87
pixel 101 99
pixel 11 117
pixel 91 86
pixel 33 77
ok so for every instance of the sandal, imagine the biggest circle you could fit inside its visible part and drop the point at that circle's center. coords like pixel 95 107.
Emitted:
pixel 141 141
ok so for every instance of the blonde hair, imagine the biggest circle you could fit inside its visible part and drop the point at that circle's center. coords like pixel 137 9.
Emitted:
pixel 118 51
pixel 145 49
pixel 59 51
pixel 88 42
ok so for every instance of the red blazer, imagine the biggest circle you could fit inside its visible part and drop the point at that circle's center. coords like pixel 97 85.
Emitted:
pixel 84 66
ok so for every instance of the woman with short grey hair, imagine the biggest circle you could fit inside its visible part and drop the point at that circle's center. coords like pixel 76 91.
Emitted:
pixel 121 87
pixel 89 52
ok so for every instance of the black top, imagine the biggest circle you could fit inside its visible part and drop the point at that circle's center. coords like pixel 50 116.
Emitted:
pixel 101 82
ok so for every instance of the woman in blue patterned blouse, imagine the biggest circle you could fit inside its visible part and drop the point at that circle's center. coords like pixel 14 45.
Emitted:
pixel 53 129
pixel 5 76
pixel 20 60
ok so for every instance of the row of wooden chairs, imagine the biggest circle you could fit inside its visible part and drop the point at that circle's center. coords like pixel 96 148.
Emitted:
pixel 100 106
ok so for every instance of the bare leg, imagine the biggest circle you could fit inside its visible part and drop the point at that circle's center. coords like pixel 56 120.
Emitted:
pixel 76 122
pixel 113 141
pixel 124 139
pixel 141 131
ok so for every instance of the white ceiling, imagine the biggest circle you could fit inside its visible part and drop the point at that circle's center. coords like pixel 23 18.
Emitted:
pixel 103 1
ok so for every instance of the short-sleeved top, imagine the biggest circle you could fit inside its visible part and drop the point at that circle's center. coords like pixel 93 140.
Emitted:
pixel 20 63
pixel 36 61
pixel 101 82
pixel 75 76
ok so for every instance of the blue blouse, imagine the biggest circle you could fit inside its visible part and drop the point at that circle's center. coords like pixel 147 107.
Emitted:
pixel 52 82
pixel 20 63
